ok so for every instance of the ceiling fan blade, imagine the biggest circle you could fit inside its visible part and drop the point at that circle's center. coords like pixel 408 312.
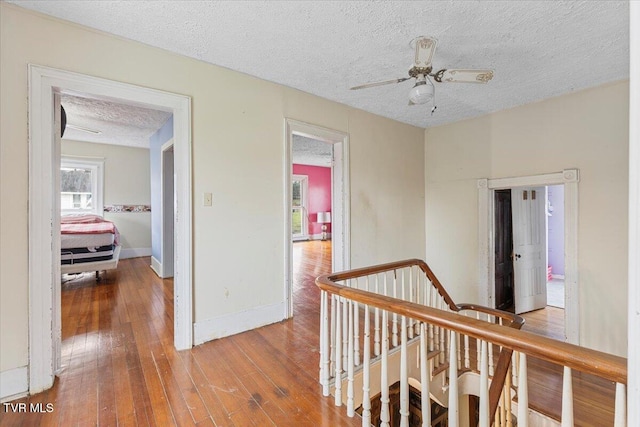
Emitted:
pixel 425 48
pixel 464 76
pixel 386 82
pixel 83 129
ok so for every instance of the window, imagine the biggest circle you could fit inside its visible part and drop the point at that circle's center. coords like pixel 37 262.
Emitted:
pixel 81 185
pixel 299 223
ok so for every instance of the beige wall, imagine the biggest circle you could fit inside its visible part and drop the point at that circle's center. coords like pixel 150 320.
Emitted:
pixel 126 182
pixel 587 130
pixel 238 152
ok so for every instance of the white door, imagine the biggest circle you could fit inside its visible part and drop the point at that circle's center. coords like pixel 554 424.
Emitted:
pixel 529 248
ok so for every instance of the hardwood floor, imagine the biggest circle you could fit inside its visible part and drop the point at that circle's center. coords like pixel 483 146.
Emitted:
pixel 120 367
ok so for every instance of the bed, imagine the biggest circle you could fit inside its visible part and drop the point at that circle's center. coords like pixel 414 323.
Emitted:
pixel 88 243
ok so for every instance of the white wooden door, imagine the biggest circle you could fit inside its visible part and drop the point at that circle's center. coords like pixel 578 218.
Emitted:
pixel 529 248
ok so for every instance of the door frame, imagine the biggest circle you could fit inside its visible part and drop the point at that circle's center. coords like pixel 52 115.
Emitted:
pixel 167 207
pixel 44 218
pixel 340 199
pixel 486 244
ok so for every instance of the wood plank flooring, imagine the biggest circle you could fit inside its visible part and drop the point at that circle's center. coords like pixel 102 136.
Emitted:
pixel 120 367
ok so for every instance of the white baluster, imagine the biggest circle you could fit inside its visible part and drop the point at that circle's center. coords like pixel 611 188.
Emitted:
pixel 443 347
pixel 376 330
pixel 453 380
pixel 366 398
pixel 350 360
pixel 514 363
pixel 484 387
pixel 345 333
pixel 324 343
pixel 523 391
pixel 338 378
pixel 490 320
pixel 478 346
pixel 356 334
pixel 404 376
pixel 332 340
pixel 620 419
pixel 567 398
pixel 394 331
pixel 459 356
pixel 384 377
pixel 425 379
pixel 467 358
pixel 411 293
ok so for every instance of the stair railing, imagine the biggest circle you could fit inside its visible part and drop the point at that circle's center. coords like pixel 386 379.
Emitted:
pixel 410 308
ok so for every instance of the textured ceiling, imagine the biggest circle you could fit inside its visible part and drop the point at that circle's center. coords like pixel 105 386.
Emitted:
pixel 309 151
pixel 118 124
pixel 538 49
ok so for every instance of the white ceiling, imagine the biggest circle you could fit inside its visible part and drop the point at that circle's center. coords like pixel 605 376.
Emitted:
pixel 309 151
pixel 118 124
pixel 538 49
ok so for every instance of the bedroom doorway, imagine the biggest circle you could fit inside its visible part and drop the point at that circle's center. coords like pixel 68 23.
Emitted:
pixel 44 215
pixel 316 203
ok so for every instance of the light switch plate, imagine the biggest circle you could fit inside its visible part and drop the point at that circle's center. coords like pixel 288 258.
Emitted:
pixel 207 199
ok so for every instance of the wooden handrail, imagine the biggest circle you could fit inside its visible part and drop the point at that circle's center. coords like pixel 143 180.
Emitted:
pixel 383 268
pixel 607 366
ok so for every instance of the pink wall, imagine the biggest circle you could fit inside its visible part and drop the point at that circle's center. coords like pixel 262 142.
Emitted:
pixel 319 193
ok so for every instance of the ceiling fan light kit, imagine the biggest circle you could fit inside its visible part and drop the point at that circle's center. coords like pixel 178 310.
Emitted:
pixel 423 90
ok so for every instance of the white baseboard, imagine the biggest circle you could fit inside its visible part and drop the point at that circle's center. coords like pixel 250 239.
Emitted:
pixel 234 323
pixel 557 276
pixel 156 266
pixel 14 384
pixel 134 252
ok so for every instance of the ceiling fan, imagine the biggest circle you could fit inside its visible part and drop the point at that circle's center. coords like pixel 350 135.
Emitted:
pixel 423 90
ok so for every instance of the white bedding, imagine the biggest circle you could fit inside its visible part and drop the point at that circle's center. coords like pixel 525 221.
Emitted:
pixel 68 241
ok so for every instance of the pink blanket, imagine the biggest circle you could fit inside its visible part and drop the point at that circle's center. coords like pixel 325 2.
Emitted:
pixel 88 224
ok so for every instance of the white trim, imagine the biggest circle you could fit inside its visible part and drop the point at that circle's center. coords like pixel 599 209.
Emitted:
pixel 156 266
pixel 633 355
pixel 167 234
pixel 44 163
pixel 234 323
pixel 340 202
pixel 134 252
pixel 14 383
pixel 486 261
pixel 557 276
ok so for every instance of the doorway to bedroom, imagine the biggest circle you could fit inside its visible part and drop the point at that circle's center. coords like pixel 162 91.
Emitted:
pixel 316 206
pixel 46 88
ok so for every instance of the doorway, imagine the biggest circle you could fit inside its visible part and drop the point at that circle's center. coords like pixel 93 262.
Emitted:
pixel 44 217
pixel 529 245
pixel 487 188
pixel 327 215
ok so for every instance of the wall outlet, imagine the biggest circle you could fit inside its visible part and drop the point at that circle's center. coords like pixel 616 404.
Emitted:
pixel 207 199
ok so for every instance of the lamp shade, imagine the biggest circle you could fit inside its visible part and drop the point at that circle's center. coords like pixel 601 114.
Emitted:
pixel 324 217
